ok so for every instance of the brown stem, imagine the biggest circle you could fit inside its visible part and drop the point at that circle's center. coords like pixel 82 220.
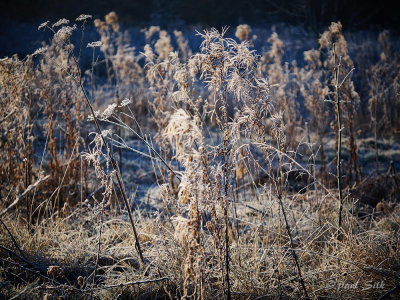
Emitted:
pixel 288 229
pixel 339 144
pixel 226 201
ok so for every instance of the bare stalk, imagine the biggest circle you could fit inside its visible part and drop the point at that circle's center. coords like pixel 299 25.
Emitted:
pixel 113 164
pixel 288 229
pixel 292 246
pixel 226 201
pixel 98 245
pixel 339 133
pixel 11 236
pixel 376 141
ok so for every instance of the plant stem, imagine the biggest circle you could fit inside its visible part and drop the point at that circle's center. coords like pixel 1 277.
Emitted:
pixel 113 164
pixel 226 190
pixel 339 144
pixel 288 229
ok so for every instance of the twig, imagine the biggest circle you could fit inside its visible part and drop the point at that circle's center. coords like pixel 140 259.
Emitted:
pixel 11 236
pixel 19 197
pixel 345 78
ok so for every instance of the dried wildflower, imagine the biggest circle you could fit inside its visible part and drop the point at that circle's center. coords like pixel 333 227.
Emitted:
pixel 194 65
pixel 98 23
pixel 181 229
pixel 94 44
pixel 335 28
pixel 148 53
pixel 149 32
pixel 185 188
pixel 125 102
pixel 112 19
pixel 278 129
pixel 64 33
pixel 181 76
pixel 95 157
pixel 44 24
pixel 312 57
pixel 263 84
pixel 163 45
pixel 60 22
pixel 83 18
pixel 183 45
pixel 182 132
pixel 181 96
pixel 243 32
pixel 97 113
pixel 109 111
pixel 334 36
pixel 239 86
pixel 276 51
pixel 384 42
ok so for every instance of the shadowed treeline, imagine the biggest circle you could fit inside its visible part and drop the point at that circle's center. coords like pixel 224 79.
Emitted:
pixel 310 13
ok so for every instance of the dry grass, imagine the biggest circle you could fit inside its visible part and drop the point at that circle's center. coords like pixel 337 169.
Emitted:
pixel 243 202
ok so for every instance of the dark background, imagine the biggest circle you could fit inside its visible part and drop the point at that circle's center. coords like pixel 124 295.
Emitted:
pixel 312 14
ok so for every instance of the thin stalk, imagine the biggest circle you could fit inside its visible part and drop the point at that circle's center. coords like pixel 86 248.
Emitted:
pixel 143 139
pixel 339 144
pixel 288 229
pixel 376 142
pixel 98 246
pixel 226 191
pixel 11 236
pixel 92 75
pixel 226 217
pixel 28 205
pixel 113 164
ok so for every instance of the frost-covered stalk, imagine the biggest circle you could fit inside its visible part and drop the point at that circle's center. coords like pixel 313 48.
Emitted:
pixel 114 166
pixel 278 133
pixel 226 191
pixel 339 143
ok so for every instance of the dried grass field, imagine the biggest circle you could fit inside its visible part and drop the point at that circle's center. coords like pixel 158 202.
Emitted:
pixel 222 172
